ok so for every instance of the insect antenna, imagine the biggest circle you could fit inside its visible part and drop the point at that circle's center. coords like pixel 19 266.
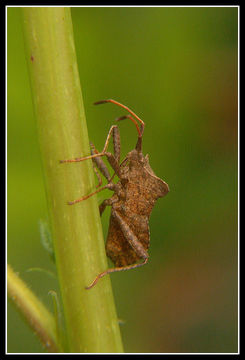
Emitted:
pixel 140 129
pixel 132 119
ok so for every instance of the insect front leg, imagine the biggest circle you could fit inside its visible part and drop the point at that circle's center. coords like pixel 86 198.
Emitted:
pixel 115 164
pixel 113 160
pixel 116 143
pixel 109 186
pixel 97 161
pixel 96 158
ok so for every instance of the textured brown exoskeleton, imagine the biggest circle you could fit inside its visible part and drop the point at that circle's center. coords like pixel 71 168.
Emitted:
pixel 134 196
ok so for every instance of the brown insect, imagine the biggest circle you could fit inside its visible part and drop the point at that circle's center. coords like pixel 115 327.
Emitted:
pixel 131 204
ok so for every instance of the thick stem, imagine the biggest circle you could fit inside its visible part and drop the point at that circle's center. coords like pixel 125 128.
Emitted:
pixel 91 321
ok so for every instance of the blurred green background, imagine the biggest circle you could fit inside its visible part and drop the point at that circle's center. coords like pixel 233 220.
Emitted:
pixel 177 68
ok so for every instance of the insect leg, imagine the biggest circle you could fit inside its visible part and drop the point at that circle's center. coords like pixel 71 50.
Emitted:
pixel 113 160
pixel 105 203
pixel 135 244
pixel 98 176
pixel 108 186
pixel 130 236
pixel 102 206
pixel 100 163
pixel 109 271
pixel 116 143
pixel 110 157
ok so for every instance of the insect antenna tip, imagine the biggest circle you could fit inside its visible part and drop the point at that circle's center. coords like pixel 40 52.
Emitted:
pixel 100 102
pixel 121 118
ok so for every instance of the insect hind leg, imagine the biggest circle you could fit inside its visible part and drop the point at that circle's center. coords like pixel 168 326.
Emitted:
pixel 134 243
pixel 116 269
pixel 129 235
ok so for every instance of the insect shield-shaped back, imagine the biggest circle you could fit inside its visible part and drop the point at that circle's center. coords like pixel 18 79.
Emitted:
pixel 160 187
pixel 143 187
pixel 142 173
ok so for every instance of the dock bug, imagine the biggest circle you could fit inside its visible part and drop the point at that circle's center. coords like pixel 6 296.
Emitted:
pixel 131 204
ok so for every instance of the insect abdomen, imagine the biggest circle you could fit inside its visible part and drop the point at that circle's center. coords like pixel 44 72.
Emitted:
pixel 118 248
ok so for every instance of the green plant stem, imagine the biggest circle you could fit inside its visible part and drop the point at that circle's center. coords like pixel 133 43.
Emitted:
pixel 35 313
pixel 90 316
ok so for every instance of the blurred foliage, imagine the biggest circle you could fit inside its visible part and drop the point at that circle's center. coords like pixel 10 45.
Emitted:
pixel 177 68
